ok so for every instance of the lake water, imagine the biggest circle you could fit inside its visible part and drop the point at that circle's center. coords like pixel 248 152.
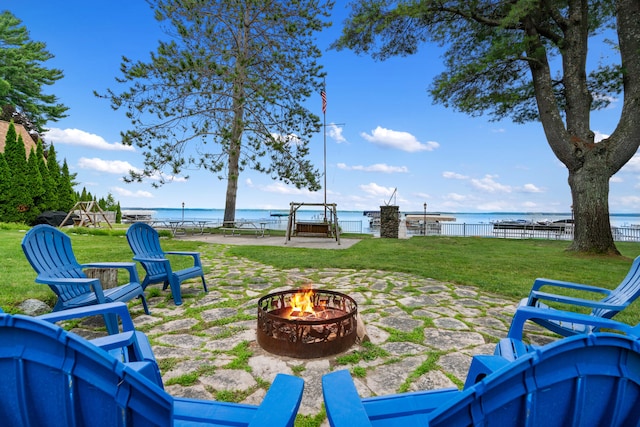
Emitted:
pixel 617 220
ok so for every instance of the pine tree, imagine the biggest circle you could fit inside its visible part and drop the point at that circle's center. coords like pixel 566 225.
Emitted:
pixel 233 86
pixel 49 199
pixel 5 183
pixel 23 75
pixel 65 193
pixel 11 136
pixel 54 175
pixel 110 203
pixel 19 195
pixel 36 188
pixel 118 214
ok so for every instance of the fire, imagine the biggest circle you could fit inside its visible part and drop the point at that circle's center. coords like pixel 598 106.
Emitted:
pixel 302 304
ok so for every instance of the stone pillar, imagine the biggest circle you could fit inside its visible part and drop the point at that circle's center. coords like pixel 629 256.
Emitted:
pixel 389 221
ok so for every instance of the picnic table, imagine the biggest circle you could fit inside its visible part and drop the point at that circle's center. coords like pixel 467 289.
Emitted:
pixel 181 226
pixel 239 227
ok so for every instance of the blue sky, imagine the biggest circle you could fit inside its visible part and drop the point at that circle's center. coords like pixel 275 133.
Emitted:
pixel 389 134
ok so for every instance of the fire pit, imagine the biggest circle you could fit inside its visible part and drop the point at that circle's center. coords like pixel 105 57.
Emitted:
pixel 307 323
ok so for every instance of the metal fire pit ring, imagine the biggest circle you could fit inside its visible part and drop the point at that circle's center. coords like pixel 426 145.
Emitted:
pixel 306 338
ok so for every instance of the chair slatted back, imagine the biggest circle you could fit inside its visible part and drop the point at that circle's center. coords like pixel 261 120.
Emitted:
pixel 145 242
pixel 582 380
pixel 49 252
pixel 627 291
pixel 53 378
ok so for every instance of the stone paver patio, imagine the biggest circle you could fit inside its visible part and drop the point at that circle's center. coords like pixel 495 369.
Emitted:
pixel 423 333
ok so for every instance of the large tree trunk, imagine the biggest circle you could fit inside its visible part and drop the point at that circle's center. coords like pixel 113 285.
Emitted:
pixel 590 164
pixel 590 195
pixel 232 189
pixel 237 127
pixel 233 168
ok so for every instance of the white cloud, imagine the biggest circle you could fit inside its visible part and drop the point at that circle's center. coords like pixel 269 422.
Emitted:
pixel 530 205
pixel 286 139
pixel 599 136
pixel 374 189
pixel 123 192
pixel 495 205
pixel 398 140
pixel 422 195
pixel 456 197
pixel 531 188
pixel 630 200
pixel 157 176
pixel 489 185
pixel 633 165
pixel 453 175
pixel 282 188
pixel 84 139
pixel 335 132
pixel 109 166
pixel 378 167
pixel 121 167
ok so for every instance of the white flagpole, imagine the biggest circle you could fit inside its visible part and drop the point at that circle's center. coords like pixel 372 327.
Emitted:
pixel 324 125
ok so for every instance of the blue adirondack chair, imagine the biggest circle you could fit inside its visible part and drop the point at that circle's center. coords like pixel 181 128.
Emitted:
pixel 577 381
pixel 49 252
pixel 611 304
pixel 129 346
pixel 145 244
pixel 512 347
pixel 51 377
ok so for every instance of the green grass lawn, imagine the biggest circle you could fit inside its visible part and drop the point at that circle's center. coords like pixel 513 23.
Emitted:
pixel 89 245
pixel 503 266
pixel 506 267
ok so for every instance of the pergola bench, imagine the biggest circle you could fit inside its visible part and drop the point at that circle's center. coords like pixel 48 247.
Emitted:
pixel 313 228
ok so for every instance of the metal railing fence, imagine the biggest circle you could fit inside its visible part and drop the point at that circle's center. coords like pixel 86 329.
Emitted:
pixel 620 234
pixel 531 231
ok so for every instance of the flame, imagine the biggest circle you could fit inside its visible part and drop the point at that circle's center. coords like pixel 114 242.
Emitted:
pixel 302 304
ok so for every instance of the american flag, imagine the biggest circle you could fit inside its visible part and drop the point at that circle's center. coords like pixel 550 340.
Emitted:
pixel 323 94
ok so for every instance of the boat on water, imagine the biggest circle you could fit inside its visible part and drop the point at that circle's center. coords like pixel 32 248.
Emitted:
pixel 374 218
pixel 413 220
pixel 561 225
pixel 134 215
